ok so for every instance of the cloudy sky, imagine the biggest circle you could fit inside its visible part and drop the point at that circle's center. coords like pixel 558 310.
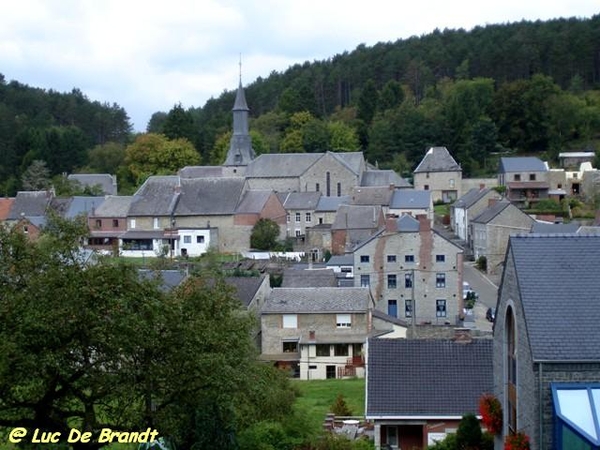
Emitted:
pixel 148 55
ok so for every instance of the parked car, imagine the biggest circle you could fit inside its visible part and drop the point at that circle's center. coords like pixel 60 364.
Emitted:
pixel 490 314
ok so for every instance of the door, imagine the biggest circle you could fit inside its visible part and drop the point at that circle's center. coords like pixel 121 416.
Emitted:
pixel 330 372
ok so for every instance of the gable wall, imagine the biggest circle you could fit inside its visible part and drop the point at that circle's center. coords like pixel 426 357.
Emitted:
pixel 338 172
pixel 438 182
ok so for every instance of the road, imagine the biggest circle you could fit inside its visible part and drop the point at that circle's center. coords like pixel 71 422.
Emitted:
pixel 487 291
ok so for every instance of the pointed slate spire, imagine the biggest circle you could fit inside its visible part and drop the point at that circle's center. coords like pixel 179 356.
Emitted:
pixel 240 147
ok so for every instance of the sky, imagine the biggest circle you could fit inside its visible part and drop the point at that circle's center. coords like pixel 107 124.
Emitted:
pixel 149 55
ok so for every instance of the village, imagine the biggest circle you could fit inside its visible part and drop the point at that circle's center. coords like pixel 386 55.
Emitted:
pixel 437 290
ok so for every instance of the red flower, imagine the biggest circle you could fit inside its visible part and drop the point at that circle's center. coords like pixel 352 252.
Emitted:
pixel 517 441
pixel 491 413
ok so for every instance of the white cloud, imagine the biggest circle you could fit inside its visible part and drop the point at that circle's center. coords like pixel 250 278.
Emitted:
pixel 148 55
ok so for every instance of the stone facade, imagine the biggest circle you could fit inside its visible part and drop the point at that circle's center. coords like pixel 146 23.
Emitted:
pixel 330 177
pixel 412 273
pixel 444 186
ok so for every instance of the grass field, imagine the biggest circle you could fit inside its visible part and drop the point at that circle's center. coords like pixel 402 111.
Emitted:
pixel 317 396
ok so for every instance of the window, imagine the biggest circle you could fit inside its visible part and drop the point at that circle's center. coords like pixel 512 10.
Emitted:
pixel 440 258
pixel 393 308
pixel 290 321
pixel 317 187
pixel 25 229
pixel 323 350
pixel 287 218
pixel 517 177
pixel 409 258
pixel 391 258
pixel 343 321
pixel 187 239
pixel 408 308
pixel 364 258
pixel 440 280
pixel 199 239
pixel 408 282
pixel 391 281
pixel 426 187
pixel 298 232
pixel 559 186
pixel 297 217
pixel 339 189
pixel 115 223
pixel 511 370
pixel 137 244
pixel 290 347
pixel 328 184
pixel 340 349
pixel 308 217
pixel 451 182
pixel 365 281
pixel 440 308
pixel 132 223
pixel 156 223
pixel 532 177
pixel 98 223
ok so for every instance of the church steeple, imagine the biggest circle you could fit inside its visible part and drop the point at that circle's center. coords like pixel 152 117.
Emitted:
pixel 240 151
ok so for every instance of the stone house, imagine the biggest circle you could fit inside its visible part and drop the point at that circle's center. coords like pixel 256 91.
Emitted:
pixel 546 355
pixel 28 204
pixel 469 206
pixel 383 177
pixel 316 333
pixel 439 173
pixel 415 399
pixel 373 196
pixel 300 213
pixel 413 272
pixel 526 179
pixel 354 224
pixel 490 231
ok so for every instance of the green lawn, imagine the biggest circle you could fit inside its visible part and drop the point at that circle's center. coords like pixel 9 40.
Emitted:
pixel 317 396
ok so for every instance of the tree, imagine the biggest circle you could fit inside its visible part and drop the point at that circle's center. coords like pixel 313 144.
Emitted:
pixel 264 235
pixel 89 346
pixel 156 122
pixel 367 102
pixel 179 124
pixel 106 158
pixel 468 435
pixel 36 177
pixel 154 154
pixel 342 137
pixel 391 96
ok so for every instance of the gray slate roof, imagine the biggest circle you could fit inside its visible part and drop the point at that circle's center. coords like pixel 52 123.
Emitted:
pixel 82 205
pixel 356 217
pixel 201 171
pixel 438 159
pixel 522 164
pixel 29 203
pixel 156 197
pixel 372 195
pixel 382 178
pixel 559 281
pixel 488 214
pixel 317 300
pixel 167 279
pixel 245 287
pixel 341 260
pixel 295 278
pixel 114 206
pixel 427 377
pixel 407 224
pixel 411 199
pixel 209 196
pixel 107 182
pixel 555 228
pixel 300 200
pixel 278 165
pixel 331 204
pixel 471 197
pixel 253 201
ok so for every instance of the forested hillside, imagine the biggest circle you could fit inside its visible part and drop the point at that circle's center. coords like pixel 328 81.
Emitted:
pixel 526 88
pixel 58 128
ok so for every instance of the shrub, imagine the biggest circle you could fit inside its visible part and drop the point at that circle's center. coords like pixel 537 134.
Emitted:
pixel 517 441
pixel 481 263
pixel 468 435
pixel 340 408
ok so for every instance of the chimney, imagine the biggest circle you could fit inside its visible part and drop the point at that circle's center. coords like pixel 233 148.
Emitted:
pixel 462 336
pixel 391 224
pixel 311 335
pixel 424 222
pixel 492 202
pixel 392 186
pixel 481 186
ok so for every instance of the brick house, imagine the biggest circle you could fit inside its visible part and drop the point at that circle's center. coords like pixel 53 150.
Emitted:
pixel 439 173
pixel 546 334
pixel 413 272
pixel 107 223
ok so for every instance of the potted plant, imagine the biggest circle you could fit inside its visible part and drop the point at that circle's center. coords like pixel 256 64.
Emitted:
pixel 491 413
